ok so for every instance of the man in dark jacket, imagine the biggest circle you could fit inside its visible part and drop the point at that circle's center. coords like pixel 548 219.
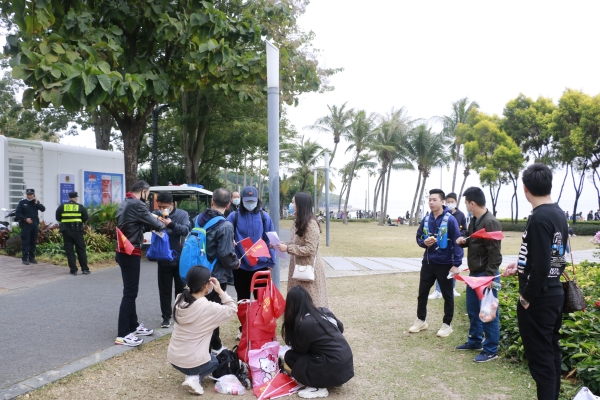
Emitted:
pixel 437 233
pixel 235 204
pixel 133 217
pixel 27 215
pixel 71 217
pixel 178 227
pixel 219 246
pixel 484 259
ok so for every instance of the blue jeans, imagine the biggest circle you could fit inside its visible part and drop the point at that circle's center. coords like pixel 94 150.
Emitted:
pixel 477 327
pixel 437 285
pixel 203 370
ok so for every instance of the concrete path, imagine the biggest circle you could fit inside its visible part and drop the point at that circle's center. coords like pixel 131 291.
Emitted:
pixel 55 323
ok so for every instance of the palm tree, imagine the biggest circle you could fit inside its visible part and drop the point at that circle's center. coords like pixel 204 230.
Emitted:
pixel 337 123
pixel 360 135
pixel 459 115
pixel 428 150
pixel 307 155
pixel 364 161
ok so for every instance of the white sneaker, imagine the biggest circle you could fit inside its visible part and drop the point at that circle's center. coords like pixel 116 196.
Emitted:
pixel 435 295
pixel 129 340
pixel 192 383
pixel 456 294
pixel 445 330
pixel 216 352
pixel 313 393
pixel 143 331
pixel 418 326
pixel 239 336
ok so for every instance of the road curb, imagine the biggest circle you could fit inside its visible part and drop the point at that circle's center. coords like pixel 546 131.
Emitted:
pixel 53 375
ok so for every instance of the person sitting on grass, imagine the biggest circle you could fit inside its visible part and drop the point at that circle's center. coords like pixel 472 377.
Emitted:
pixel 195 320
pixel 320 356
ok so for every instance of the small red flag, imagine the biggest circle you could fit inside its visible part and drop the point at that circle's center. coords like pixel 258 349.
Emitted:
pixel 260 249
pixel 247 245
pixel 281 385
pixel 123 244
pixel 477 283
pixel 483 234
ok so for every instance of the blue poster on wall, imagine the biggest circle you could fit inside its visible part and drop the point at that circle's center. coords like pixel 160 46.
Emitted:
pixel 102 188
pixel 66 184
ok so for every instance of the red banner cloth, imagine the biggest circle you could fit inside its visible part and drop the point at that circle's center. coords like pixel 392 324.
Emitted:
pixel 483 234
pixel 477 283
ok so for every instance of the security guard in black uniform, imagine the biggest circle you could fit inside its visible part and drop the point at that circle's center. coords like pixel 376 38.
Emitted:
pixel 71 217
pixel 27 216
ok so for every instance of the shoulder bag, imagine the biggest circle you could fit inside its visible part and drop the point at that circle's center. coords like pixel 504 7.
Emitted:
pixel 574 300
pixel 305 273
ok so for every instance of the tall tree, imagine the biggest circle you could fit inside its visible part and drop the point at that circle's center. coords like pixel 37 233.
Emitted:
pixel 306 154
pixel 459 115
pixel 337 123
pixel 359 137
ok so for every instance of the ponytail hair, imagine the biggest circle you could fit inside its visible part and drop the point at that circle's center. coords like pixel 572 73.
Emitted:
pixel 196 278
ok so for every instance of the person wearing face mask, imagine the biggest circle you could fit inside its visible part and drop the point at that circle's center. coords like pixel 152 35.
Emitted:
pixel 27 216
pixel 452 205
pixel 133 217
pixel 177 222
pixel 235 204
pixel 250 222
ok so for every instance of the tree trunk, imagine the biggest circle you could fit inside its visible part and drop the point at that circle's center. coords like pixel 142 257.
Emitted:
pixel 462 187
pixel 381 215
pixel 103 123
pixel 387 192
pixel 578 189
pixel 376 196
pixel 245 168
pixel 412 210
pixel 596 185
pixel 342 191
pixel 420 197
pixel 194 129
pixel 456 160
pixel 333 154
pixel 563 184
pixel 349 186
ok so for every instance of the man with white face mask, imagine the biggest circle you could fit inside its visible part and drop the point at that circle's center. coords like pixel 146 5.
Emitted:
pixel 235 204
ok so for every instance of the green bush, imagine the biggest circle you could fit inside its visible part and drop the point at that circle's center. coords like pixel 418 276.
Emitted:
pixel 13 245
pixel 61 259
pixel 580 333
pixel 97 242
pixel 49 249
pixel 580 228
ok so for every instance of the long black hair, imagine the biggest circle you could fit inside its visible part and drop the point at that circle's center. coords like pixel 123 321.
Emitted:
pixel 304 212
pixel 196 278
pixel 297 304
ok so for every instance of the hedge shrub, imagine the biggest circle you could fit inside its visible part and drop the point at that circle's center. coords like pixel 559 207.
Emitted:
pixel 580 228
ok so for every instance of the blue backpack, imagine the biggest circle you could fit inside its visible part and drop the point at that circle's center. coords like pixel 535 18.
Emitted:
pixel 160 249
pixel 194 249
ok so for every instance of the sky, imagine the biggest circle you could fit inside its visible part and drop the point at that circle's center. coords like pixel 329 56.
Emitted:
pixel 424 55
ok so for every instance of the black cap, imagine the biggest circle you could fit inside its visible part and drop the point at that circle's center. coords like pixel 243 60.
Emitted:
pixel 30 191
pixel 72 195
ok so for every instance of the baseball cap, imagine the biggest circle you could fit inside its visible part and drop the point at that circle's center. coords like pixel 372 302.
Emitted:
pixel 72 195
pixel 250 194
pixel 30 191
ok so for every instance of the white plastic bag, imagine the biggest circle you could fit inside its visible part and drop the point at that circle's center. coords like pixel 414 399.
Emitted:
pixel 229 384
pixel 585 394
pixel 489 306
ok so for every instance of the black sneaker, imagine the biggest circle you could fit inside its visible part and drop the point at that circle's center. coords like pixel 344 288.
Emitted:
pixel 166 323
pixel 74 273
pixel 86 272
pixel 485 357
pixel 467 346
pixel 25 262
pixel 33 261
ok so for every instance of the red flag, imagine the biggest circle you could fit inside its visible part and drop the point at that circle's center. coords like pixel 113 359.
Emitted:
pixel 482 234
pixel 273 306
pixel 281 385
pixel 123 244
pixel 247 245
pixel 477 283
pixel 260 249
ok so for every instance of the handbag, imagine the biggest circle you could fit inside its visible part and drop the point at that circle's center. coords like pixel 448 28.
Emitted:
pixel 305 273
pixel 574 300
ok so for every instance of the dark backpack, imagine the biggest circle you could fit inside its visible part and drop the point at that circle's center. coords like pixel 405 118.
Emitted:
pixel 229 364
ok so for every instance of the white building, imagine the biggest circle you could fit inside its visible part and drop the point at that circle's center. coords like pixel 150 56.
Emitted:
pixel 53 170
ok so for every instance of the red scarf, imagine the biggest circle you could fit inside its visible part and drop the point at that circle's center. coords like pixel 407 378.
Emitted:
pixel 130 195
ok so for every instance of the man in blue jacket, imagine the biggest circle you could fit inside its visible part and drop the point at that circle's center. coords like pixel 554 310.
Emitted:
pixel 437 234
pixel 177 222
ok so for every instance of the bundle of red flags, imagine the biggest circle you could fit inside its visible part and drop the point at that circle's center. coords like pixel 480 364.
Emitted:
pixel 253 251
pixel 123 244
pixel 273 306
pixel 477 283
pixel 483 234
pixel 281 385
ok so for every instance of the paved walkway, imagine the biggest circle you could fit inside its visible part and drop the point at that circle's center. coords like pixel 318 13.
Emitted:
pixel 56 324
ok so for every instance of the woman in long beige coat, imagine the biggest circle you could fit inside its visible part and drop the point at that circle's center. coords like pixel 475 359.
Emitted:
pixel 303 247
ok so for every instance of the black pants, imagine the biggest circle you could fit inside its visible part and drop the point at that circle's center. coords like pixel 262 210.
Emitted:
pixel 29 234
pixel 215 340
pixel 168 273
pixel 242 280
pixel 75 238
pixel 130 272
pixel 539 327
pixel 429 274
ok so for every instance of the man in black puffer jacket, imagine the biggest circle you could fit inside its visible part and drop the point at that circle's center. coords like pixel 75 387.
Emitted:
pixel 219 245
pixel 178 227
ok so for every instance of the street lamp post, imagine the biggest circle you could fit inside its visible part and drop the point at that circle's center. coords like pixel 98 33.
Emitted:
pixel 315 193
pixel 155 114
